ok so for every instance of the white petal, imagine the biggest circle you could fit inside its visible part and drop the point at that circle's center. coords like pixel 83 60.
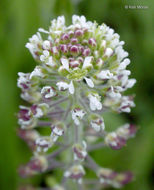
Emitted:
pixel 65 63
pixel 43 31
pixel 108 52
pixel 89 82
pixel 71 88
pixel 87 62
pixel 131 83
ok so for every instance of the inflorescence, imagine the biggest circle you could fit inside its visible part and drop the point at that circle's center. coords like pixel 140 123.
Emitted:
pixel 81 73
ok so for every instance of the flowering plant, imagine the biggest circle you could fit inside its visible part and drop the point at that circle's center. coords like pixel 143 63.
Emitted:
pixel 81 74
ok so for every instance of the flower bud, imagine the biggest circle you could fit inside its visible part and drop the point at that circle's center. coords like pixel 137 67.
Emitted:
pixel 43 144
pixel 80 152
pixel 97 123
pixel 92 42
pixel 75 172
pixel 36 165
pixel 114 141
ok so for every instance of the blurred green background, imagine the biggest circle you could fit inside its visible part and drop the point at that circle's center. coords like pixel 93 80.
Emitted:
pixel 19 20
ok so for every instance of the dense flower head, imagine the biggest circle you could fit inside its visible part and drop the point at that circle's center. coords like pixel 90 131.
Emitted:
pixel 81 73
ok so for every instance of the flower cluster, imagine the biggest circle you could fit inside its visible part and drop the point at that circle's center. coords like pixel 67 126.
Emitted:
pixel 81 73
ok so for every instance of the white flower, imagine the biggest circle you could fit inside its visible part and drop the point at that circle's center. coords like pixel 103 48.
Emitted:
pixel 108 52
pixel 62 86
pixel 50 62
pixel 121 54
pixel 37 73
pixel 46 45
pixel 48 92
pixel 57 131
pixel 32 45
pixel 126 104
pixel 98 124
pixel 79 21
pixel 23 80
pixel 95 103
pixel 45 56
pixel 43 144
pixel 112 94
pixel 124 64
pixel 77 114
pixel 105 74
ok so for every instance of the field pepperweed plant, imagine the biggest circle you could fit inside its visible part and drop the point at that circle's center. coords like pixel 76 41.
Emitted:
pixel 81 74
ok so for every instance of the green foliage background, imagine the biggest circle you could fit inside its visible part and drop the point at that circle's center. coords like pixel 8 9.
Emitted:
pixel 19 19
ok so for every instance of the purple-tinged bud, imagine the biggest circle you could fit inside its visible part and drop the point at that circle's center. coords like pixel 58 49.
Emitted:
pixel 78 33
pixel 81 48
pixel 106 174
pixel 36 165
pixel 86 52
pixel 65 37
pixel 64 48
pixel 71 33
pixel 74 64
pixel 124 178
pixel 43 144
pixel 80 152
pixel 24 113
pixel 99 63
pixel 80 59
pixel 23 81
pixel 97 123
pixel 92 42
pixel 55 51
pixel 75 172
pixel 127 131
pixel 29 136
pixel 74 50
pixel 114 141
pixel 74 40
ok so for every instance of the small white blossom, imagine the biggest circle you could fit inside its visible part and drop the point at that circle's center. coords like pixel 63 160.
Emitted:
pixel 77 114
pixel 43 144
pixel 62 86
pixel 95 103
pixel 48 92
pixel 98 124
pixel 45 55
pixel 37 73
pixel 108 52
pixel 105 74
pixel 46 45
